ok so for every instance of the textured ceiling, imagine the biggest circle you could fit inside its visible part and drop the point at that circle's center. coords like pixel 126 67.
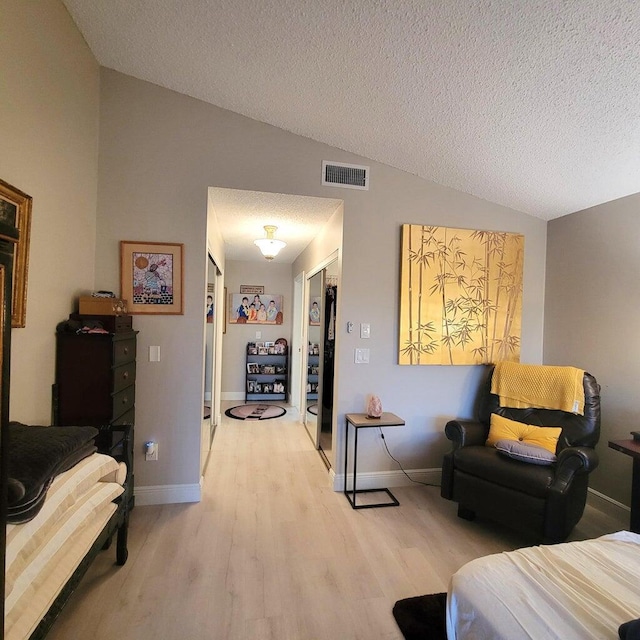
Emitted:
pixel 243 214
pixel 534 104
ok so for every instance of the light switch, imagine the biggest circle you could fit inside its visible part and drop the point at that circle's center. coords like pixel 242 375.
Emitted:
pixel 154 354
pixel 365 330
pixel 258 335
pixel 362 356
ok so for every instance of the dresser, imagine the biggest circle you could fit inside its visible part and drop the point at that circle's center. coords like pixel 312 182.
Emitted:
pixel 96 383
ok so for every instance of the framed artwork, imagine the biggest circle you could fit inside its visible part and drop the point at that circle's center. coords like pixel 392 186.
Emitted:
pixel 151 277
pixel 209 304
pixel 224 322
pixel 209 308
pixel 255 309
pixel 314 311
pixel 460 296
pixel 251 288
pixel 15 210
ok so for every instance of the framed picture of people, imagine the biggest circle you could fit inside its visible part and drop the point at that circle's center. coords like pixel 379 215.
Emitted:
pixel 259 308
pixel 314 311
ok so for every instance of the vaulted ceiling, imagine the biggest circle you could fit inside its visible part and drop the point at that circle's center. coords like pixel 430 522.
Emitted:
pixel 531 104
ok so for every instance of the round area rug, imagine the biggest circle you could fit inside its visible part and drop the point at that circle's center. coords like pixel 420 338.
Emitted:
pixel 255 412
pixel 313 409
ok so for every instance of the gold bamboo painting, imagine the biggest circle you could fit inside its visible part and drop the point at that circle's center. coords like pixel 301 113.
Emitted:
pixel 460 297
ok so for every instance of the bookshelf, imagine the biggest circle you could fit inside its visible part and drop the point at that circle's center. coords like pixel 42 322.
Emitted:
pixel 267 370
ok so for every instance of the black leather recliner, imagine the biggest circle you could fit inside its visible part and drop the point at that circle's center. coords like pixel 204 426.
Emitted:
pixel 544 501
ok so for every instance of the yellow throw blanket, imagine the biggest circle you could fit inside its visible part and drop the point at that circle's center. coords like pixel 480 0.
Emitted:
pixel 522 386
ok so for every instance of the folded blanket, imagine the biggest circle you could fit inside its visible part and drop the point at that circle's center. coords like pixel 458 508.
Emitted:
pixel 24 510
pixel 523 386
pixel 36 456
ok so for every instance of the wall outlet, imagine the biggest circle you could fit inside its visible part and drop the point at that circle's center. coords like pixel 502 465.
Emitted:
pixel 151 450
pixel 365 330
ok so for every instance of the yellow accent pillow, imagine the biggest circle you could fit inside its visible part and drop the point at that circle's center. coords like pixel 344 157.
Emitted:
pixel 505 429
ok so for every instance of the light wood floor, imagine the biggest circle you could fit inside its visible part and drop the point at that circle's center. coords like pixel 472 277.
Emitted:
pixel 272 552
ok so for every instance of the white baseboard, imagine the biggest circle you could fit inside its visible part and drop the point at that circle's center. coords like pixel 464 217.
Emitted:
pixel 607 505
pixel 374 480
pixel 377 479
pixel 232 395
pixel 167 494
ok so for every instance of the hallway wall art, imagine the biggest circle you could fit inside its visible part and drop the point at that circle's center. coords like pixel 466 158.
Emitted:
pixel 261 308
pixel 460 296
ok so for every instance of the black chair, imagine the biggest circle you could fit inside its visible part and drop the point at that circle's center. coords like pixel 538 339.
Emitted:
pixel 544 501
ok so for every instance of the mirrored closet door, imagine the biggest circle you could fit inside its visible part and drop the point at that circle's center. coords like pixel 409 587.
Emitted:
pixel 322 300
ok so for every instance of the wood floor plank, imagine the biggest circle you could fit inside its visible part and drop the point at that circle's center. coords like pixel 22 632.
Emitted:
pixel 273 553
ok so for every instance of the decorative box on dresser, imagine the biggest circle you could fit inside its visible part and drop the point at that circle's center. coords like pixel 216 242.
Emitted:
pixel 95 382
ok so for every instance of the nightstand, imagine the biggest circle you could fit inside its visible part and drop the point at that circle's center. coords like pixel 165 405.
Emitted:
pixel 361 421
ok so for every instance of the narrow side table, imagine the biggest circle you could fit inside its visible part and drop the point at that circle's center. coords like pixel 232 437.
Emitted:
pixel 632 448
pixel 360 421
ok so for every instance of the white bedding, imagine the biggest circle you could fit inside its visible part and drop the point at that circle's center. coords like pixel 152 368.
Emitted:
pixel 572 591
pixel 43 553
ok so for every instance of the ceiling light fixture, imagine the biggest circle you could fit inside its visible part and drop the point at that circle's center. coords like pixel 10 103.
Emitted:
pixel 269 246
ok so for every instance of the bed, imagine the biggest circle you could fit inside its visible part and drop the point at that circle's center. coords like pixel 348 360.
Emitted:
pixel 576 590
pixel 68 494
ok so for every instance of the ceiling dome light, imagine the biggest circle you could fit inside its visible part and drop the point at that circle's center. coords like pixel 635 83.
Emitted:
pixel 269 246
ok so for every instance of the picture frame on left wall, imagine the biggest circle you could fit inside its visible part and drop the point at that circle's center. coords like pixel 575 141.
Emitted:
pixel 15 210
pixel 151 277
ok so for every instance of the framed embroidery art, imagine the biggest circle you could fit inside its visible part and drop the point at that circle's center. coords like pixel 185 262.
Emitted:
pixel 151 277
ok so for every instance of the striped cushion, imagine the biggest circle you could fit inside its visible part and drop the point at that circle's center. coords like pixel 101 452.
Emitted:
pixel 24 540
pixel 38 586
pixel 43 554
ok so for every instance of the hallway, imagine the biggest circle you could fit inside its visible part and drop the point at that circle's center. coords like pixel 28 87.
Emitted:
pixel 272 552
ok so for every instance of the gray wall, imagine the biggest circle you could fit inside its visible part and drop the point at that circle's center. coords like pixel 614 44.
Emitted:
pixel 159 153
pixel 154 171
pixel 591 311
pixel 49 132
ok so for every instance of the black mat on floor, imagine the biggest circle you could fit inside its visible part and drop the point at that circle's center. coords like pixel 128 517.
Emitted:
pixel 422 617
pixel 255 412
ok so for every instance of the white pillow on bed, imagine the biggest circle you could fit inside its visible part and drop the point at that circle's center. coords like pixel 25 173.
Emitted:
pixel 531 453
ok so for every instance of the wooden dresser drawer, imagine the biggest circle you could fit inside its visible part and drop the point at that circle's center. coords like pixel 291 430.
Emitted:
pixel 123 401
pixel 126 418
pixel 124 376
pixel 124 351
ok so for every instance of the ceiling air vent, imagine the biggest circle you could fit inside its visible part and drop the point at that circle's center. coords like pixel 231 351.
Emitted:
pixel 350 176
